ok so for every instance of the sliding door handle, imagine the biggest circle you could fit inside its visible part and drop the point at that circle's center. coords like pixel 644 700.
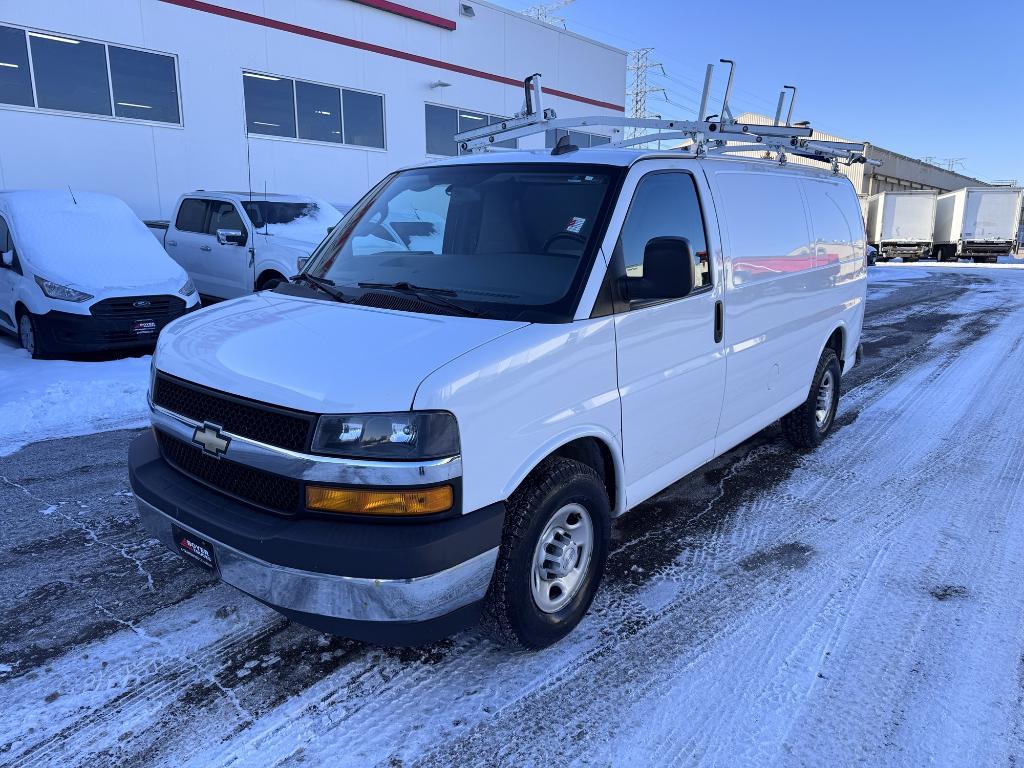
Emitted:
pixel 205 248
pixel 719 321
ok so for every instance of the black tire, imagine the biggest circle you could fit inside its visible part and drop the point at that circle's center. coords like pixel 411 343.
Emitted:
pixel 802 426
pixel 35 345
pixel 511 613
pixel 270 281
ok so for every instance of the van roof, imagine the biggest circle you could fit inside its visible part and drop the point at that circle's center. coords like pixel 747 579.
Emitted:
pixel 621 157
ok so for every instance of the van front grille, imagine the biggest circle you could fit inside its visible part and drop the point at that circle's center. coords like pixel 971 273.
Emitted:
pixel 139 307
pixel 263 489
pixel 291 430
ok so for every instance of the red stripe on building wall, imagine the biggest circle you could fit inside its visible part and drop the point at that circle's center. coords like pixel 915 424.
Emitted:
pixel 316 34
pixel 409 13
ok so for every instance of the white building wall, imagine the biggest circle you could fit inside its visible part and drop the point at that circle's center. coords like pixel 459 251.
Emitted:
pixel 150 165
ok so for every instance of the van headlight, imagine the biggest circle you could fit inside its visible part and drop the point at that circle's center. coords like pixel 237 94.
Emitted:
pixel 188 288
pixel 394 436
pixel 62 292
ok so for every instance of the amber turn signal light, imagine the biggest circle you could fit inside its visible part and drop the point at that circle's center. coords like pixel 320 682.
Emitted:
pixel 424 501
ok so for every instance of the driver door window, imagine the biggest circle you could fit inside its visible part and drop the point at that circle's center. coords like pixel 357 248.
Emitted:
pixel 224 216
pixel 665 204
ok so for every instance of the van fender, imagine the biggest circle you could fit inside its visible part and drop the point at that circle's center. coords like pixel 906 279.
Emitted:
pixel 595 431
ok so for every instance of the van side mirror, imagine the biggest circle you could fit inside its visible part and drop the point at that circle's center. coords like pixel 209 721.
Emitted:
pixel 230 237
pixel 667 273
pixel 7 257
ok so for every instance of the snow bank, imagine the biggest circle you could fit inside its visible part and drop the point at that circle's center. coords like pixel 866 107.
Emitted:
pixel 43 399
pixel 97 242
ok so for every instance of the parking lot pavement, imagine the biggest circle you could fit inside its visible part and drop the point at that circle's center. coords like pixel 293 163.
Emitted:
pixel 861 603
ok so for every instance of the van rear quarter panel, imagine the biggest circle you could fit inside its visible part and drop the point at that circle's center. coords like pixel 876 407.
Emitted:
pixel 793 242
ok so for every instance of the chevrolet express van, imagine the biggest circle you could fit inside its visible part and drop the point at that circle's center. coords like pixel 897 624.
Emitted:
pixel 488 361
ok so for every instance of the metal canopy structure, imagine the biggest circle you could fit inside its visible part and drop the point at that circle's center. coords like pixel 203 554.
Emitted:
pixel 718 134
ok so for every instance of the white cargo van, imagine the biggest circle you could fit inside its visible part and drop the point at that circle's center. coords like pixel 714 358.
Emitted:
pixel 428 428
pixel 79 272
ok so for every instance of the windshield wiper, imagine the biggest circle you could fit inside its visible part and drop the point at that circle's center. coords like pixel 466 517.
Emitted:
pixel 325 285
pixel 427 295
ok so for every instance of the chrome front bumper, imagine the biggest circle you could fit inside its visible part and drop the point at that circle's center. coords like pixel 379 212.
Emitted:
pixel 339 597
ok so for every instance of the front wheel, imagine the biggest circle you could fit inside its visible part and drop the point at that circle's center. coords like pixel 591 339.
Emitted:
pixel 553 550
pixel 28 335
pixel 808 425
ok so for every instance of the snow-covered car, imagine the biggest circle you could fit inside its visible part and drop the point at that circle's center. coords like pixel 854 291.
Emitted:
pixel 80 272
pixel 486 362
pixel 233 243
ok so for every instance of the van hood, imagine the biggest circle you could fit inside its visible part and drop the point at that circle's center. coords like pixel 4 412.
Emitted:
pixel 315 355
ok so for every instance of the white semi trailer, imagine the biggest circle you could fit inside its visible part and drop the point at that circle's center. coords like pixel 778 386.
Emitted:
pixel 977 223
pixel 900 224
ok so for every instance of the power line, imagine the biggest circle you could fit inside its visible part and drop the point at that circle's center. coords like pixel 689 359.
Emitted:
pixel 639 88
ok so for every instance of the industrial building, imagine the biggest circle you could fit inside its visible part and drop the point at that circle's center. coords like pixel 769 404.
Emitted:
pixel 897 172
pixel 146 99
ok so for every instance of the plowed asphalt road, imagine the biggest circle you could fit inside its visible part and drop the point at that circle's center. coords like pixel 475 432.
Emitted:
pixel 858 605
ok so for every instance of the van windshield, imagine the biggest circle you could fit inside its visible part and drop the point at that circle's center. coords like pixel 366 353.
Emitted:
pixel 508 241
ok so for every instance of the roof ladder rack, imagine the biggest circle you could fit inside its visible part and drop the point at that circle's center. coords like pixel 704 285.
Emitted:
pixel 719 134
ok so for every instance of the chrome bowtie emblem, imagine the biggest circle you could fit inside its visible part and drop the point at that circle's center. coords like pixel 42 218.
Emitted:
pixel 210 438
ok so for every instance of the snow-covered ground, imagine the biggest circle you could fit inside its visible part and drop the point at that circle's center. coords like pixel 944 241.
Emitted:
pixel 858 605
pixel 42 399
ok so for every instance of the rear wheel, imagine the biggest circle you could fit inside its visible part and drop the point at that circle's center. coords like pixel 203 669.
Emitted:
pixel 553 550
pixel 806 426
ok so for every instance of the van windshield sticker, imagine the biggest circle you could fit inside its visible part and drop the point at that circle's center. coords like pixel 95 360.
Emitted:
pixel 575 224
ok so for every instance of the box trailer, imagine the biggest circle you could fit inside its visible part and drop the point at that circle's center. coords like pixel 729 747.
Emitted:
pixel 977 223
pixel 901 223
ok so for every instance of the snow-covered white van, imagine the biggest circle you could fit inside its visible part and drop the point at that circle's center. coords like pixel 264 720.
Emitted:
pixel 80 272
pixel 489 360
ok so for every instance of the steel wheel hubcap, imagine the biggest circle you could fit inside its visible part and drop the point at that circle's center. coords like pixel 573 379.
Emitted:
pixel 823 404
pixel 561 558
pixel 27 337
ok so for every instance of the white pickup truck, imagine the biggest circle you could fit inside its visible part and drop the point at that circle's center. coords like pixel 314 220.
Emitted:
pixel 232 243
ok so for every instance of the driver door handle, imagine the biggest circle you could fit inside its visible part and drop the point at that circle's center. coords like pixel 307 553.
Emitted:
pixel 205 248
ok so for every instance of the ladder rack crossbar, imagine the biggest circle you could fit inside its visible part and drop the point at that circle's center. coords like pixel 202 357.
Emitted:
pixel 705 135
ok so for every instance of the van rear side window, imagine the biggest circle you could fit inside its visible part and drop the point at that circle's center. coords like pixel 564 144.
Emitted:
pixel 828 204
pixel 766 225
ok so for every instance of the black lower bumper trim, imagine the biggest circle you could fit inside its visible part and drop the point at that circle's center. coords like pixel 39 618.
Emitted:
pixel 64 332
pixel 368 550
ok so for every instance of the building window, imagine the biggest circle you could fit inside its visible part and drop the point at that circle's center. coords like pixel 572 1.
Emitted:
pixel 363 118
pixel 442 123
pixel 319 111
pixel 269 105
pixel 281 106
pixel 69 74
pixel 145 85
pixel 579 138
pixel 15 77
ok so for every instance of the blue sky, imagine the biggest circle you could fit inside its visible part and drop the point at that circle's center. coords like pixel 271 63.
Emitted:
pixel 915 77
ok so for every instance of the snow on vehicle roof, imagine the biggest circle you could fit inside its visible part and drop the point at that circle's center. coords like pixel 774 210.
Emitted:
pixel 96 241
